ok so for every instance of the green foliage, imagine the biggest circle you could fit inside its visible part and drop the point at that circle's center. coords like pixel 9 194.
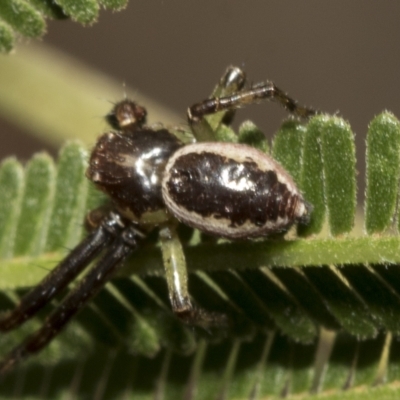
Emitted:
pixel 383 172
pixel 22 17
pixel 69 204
pixel 312 182
pixel 28 17
pixel 6 38
pixel 11 180
pixel 83 11
pixel 251 135
pixel 314 314
pixel 34 217
pixel 339 173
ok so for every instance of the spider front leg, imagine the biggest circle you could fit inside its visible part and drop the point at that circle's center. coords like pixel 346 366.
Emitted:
pixel 177 282
pixel 120 248
pixel 67 270
pixel 203 130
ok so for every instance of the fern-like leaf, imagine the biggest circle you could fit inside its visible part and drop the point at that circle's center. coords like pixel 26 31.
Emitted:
pixel 28 17
pixel 309 315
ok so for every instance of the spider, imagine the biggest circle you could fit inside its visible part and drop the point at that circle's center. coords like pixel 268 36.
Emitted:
pixel 155 180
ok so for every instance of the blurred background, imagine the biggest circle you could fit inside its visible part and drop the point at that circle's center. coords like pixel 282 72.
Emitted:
pixel 339 57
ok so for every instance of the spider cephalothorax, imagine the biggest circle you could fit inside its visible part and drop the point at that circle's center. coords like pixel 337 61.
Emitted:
pixel 155 180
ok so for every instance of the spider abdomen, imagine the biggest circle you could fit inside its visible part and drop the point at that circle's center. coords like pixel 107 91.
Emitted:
pixel 231 190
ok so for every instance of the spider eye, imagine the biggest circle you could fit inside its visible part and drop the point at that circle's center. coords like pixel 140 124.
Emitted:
pixel 125 114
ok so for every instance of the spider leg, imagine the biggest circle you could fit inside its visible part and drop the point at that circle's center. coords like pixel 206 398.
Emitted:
pixel 177 282
pixel 265 90
pixel 175 270
pixel 62 275
pixel 232 81
pixel 89 286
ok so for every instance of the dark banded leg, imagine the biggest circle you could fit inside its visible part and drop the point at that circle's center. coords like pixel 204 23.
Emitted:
pixel 261 91
pixel 68 269
pixel 90 285
pixel 231 82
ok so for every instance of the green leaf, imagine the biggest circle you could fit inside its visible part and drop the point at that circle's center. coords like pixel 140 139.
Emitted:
pixel 338 155
pixel 249 134
pixel 38 192
pixel 11 182
pixel 22 17
pixel 83 11
pixel 312 315
pixel 48 8
pixel 293 304
pixel 6 38
pixel 28 17
pixel 342 301
pixel 69 204
pixel 312 183
pixel 114 4
pixel 383 172
pixel 288 148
